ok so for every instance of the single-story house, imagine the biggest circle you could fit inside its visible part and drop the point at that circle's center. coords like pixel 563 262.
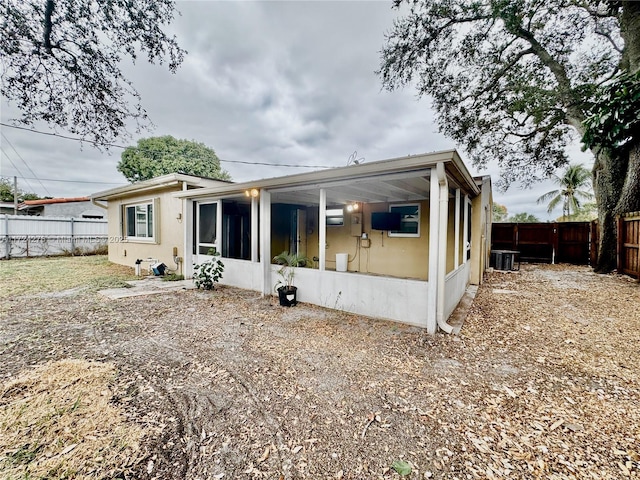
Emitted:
pixel 145 220
pixel 71 207
pixel 399 239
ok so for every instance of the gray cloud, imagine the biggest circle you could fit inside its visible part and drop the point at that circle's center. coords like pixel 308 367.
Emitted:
pixel 276 82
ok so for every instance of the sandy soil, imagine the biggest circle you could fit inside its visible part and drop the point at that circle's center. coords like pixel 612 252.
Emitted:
pixel 542 382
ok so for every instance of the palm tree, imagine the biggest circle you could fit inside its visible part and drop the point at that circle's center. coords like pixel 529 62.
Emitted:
pixel 575 183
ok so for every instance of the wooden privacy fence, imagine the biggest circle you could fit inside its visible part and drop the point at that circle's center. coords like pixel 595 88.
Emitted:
pixel 25 236
pixel 569 242
pixel 629 244
pixel 561 242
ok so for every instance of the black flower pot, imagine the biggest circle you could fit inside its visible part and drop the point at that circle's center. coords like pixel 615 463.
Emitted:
pixel 287 296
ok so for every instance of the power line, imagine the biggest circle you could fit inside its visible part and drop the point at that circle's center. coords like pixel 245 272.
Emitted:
pixel 289 165
pixel 24 161
pixel 61 136
pixel 74 181
pixel 17 169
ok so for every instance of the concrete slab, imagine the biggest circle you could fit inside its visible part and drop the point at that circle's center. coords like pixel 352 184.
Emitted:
pixel 147 286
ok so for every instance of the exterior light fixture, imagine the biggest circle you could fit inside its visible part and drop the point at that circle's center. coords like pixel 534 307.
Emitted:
pixel 254 192
pixel 353 207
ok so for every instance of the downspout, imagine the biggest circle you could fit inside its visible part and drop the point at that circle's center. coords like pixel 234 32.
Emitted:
pixel 442 246
pixel 95 202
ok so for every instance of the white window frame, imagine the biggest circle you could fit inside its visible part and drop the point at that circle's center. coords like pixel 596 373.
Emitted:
pixel 151 235
pixel 399 233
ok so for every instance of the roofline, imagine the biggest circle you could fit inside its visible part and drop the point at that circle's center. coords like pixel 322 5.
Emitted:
pixel 393 165
pixel 51 201
pixel 156 183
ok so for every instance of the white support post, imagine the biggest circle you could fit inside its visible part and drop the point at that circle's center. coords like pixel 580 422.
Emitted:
pixel 219 235
pixel 189 240
pixel 434 223
pixel 265 240
pixel 465 228
pixel 73 243
pixel 442 247
pixel 254 229
pixel 322 229
pixel 456 248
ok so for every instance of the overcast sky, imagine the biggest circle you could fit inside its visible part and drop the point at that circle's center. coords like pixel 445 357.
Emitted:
pixel 274 82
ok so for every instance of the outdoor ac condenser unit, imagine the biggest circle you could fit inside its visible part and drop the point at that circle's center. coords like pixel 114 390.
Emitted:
pixel 504 260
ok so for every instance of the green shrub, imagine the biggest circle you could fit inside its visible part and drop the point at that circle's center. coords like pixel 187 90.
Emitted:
pixel 208 273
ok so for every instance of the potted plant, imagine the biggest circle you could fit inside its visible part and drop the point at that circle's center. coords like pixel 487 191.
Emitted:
pixel 287 293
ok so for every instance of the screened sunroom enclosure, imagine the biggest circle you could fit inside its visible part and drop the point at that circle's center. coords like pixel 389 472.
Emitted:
pixel 327 217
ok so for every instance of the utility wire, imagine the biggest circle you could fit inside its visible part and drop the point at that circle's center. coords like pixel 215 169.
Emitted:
pixel 16 167
pixel 24 161
pixel 75 181
pixel 61 136
pixel 290 165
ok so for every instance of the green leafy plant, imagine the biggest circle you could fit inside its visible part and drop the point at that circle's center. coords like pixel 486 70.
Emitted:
pixel 287 262
pixel 209 272
pixel 403 468
pixel 612 120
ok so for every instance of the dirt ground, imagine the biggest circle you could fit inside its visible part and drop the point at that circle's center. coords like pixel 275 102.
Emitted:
pixel 542 382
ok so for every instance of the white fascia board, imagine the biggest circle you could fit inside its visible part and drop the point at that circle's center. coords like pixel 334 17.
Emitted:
pixel 156 183
pixel 323 177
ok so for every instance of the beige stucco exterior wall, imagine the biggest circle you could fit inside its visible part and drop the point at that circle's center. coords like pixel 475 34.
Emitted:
pixel 404 257
pixel 169 230
pixel 481 208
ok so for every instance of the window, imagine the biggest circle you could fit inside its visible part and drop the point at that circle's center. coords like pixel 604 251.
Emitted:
pixel 139 221
pixel 207 223
pixel 335 217
pixel 409 220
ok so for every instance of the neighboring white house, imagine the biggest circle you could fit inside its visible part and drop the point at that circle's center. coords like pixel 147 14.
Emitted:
pixel 399 239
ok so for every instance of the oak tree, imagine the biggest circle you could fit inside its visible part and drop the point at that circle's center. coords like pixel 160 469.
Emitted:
pixel 516 80
pixel 156 156
pixel 62 61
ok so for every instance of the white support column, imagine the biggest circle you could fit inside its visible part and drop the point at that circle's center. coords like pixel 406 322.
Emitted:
pixel 465 228
pixel 255 235
pixel 456 247
pixel 322 229
pixel 187 222
pixel 434 223
pixel 442 247
pixel 219 233
pixel 265 240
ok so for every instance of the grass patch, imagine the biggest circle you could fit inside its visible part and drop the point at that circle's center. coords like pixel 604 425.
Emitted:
pixel 173 277
pixel 27 276
pixel 57 421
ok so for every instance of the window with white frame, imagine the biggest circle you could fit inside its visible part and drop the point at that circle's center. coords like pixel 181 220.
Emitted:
pixel 409 220
pixel 139 221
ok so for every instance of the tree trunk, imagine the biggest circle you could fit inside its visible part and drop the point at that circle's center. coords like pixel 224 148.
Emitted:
pixel 609 171
pixel 616 175
pixel 630 196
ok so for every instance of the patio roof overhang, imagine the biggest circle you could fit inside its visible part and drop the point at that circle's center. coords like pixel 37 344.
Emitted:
pixel 395 180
